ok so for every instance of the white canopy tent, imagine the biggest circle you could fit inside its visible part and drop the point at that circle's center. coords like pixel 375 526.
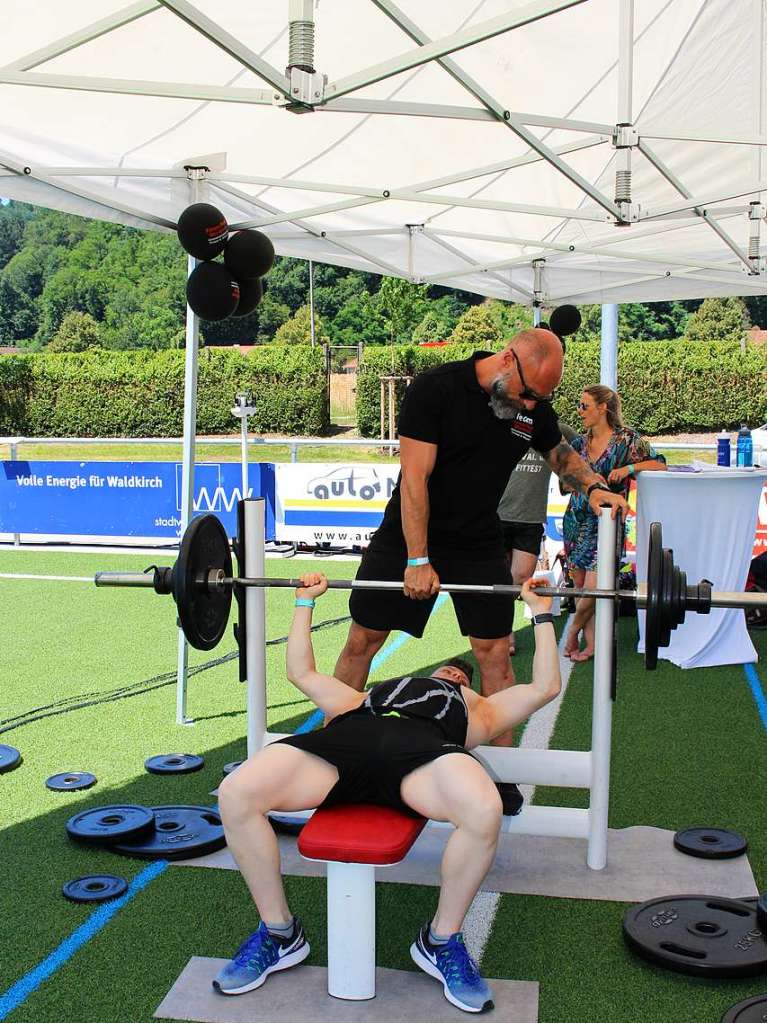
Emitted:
pixel 538 151
pixel 409 151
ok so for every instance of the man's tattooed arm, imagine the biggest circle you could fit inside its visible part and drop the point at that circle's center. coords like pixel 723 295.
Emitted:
pixel 574 473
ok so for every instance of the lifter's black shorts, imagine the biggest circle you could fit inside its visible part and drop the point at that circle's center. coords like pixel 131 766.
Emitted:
pixel 373 754
pixel 479 615
pixel 523 536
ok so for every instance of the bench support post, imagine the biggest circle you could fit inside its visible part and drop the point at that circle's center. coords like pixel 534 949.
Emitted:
pixel 351 930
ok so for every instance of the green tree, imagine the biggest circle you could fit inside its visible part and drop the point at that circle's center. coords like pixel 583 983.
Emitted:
pixel 359 319
pixel 477 327
pixel 298 329
pixel 13 221
pixel 77 333
pixel 271 316
pixel 718 319
pixel 509 317
pixel 404 305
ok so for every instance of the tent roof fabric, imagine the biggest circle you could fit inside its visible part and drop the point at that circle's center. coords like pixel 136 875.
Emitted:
pixel 457 143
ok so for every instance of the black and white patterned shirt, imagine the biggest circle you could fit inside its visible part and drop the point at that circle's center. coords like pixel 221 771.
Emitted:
pixel 432 699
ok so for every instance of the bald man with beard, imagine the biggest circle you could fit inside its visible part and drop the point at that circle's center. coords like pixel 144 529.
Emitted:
pixel 463 427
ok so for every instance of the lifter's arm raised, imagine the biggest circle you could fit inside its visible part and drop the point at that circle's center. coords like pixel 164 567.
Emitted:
pixel 330 694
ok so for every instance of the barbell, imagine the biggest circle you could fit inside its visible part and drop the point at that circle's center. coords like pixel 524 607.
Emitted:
pixel 202 582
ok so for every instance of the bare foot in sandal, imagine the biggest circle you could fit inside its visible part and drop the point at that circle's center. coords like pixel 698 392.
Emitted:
pixel 571 645
pixel 582 655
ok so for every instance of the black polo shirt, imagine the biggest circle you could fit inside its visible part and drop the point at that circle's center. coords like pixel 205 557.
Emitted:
pixel 476 453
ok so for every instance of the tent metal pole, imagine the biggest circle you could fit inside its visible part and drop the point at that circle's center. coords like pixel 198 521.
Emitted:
pixel 311 301
pixel 187 466
pixel 608 352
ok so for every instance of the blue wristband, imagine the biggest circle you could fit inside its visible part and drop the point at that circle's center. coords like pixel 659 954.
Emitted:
pixel 632 470
pixel 304 602
pixel 417 562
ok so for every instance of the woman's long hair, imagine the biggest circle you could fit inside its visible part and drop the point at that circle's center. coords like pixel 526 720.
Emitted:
pixel 603 395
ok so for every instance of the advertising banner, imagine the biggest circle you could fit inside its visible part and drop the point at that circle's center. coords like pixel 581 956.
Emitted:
pixel 331 503
pixel 122 499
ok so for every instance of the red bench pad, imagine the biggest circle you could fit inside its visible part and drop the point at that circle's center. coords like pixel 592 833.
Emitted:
pixel 359 833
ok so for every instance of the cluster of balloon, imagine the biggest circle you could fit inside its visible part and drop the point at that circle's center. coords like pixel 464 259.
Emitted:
pixel 232 288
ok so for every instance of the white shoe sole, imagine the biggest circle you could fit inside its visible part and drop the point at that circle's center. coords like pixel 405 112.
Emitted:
pixel 282 964
pixel 428 967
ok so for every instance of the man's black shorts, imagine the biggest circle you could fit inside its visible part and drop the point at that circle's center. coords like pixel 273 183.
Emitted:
pixel 523 536
pixel 373 754
pixel 479 615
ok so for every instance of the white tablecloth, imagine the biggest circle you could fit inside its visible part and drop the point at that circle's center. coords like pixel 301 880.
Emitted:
pixel 709 519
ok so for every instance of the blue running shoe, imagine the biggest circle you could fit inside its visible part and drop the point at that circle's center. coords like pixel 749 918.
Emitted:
pixel 258 956
pixel 453 966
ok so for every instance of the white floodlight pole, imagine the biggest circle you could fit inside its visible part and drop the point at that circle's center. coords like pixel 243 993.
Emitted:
pixel 195 175
pixel 242 409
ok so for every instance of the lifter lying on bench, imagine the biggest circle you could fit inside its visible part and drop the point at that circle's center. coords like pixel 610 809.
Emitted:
pixel 403 743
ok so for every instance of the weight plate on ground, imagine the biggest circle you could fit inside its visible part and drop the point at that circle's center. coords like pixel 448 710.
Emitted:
pixel 752 1010
pixel 287 823
pixel 653 617
pixel 698 934
pixel 232 766
pixel 9 758
pixel 104 825
pixel 174 763
pixel 181 833
pixel 203 612
pixel 95 888
pixel 710 843
pixel 70 781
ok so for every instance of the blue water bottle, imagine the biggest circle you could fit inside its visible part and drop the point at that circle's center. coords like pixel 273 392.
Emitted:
pixel 723 449
pixel 744 456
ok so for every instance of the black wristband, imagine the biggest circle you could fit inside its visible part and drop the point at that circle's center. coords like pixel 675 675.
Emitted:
pixel 543 617
pixel 597 486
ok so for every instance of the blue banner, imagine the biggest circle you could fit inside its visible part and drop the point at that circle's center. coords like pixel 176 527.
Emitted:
pixel 127 499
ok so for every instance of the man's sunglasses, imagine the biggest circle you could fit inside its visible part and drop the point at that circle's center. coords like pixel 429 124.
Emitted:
pixel 526 392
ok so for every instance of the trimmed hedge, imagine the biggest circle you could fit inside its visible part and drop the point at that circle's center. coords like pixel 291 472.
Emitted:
pixel 665 386
pixel 141 393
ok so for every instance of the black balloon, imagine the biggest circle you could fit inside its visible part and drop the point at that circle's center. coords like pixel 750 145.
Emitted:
pixel 251 293
pixel 565 320
pixel 249 254
pixel 212 292
pixel 202 230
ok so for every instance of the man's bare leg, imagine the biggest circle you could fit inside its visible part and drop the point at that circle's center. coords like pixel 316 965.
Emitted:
pixel 280 777
pixel 495 671
pixel 456 788
pixel 523 565
pixel 353 664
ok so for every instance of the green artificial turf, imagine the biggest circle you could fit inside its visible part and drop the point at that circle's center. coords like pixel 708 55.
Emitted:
pixel 687 748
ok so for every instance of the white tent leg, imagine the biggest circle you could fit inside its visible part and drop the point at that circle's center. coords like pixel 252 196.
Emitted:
pixel 187 467
pixel 608 354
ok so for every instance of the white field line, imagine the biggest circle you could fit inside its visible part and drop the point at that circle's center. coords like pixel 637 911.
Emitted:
pixel 537 735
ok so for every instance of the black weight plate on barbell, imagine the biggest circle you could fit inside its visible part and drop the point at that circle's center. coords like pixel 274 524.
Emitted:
pixel 105 825
pixel 653 617
pixel 232 766
pixel 751 1010
pixel 761 911
pixel 95 888
pixel 710 843
pixel 180 833
pixel 70 781
pixel 174 763
pixel 9 758
pixel 203 613
pixel 667 582
pixel 698 934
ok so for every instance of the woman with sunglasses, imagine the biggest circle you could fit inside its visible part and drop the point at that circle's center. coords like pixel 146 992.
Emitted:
pixel 617 453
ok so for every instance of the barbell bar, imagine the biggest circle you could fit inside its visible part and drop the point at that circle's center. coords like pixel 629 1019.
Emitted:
pixel 202 583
